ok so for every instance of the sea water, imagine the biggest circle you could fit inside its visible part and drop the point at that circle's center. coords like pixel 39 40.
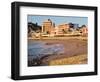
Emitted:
pixel 38 49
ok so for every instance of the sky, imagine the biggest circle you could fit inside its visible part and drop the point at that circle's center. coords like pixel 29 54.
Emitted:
pixel 58 19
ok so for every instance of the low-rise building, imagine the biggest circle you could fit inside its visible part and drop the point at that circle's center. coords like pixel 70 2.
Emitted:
pixel 84 30
pixel 63 28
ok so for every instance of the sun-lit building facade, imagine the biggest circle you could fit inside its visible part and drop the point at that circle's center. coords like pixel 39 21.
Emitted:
pixel 47 26
pixel 63 28
pixel 84 31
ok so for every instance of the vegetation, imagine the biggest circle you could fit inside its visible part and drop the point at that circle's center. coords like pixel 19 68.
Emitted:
pixel 33 27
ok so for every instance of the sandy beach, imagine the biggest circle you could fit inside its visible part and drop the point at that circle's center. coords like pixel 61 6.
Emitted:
pixel 75 51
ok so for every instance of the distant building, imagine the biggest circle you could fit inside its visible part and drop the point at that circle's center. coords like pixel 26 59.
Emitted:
pixel 47 26
pixel 62 28
pixel 84 30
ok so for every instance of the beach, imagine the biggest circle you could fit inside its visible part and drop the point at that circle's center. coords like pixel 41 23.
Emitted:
pixel 75 51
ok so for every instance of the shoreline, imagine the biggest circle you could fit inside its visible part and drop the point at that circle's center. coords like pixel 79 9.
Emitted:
pixel 59 38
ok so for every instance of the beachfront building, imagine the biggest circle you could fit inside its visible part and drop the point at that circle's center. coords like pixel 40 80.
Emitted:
pixel 62 28
pixel 84 30
pixel 47 26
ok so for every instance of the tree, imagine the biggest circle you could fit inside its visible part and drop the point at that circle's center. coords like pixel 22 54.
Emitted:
pixel 83 26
